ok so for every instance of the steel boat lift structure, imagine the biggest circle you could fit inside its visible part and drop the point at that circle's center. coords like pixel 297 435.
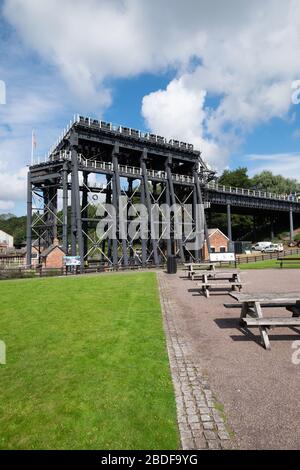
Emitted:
pixel 95 162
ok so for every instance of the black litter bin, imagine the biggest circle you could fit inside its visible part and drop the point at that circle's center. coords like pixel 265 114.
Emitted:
pixel 171 265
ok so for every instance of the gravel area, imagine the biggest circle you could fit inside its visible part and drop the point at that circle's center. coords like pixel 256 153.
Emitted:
pixel 260 389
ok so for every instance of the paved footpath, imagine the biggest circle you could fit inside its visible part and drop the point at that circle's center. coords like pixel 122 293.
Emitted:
pixel 200 423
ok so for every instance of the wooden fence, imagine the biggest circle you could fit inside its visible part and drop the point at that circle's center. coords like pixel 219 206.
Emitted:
pixel 266 256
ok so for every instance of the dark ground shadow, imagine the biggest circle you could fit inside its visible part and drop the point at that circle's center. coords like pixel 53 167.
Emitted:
pixel 248 335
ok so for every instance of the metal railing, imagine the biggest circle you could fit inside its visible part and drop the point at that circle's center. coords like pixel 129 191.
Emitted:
pixel 266 256
pixel 117 129
pixel 252 192
pixel 136 171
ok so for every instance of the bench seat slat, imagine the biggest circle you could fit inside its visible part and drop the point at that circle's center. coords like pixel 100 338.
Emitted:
pixel 279 321
pixel 263 304
pixel 216 284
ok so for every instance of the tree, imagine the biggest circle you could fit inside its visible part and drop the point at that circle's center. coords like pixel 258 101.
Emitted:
pixel 267 181
pixel 237 178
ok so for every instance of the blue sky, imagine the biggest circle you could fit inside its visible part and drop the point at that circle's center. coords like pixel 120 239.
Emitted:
pixel 218 74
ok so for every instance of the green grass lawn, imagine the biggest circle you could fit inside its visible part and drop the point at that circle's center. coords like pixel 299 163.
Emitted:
pixel 271 263
pixel 87 366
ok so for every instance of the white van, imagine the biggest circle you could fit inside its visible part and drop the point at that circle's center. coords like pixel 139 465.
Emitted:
pixel 261 246
pixel 274 248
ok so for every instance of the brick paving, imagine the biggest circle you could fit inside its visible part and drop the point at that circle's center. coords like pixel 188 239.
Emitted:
pixel 200 423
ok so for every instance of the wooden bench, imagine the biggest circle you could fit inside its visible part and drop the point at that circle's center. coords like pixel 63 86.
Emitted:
pixel 212 280
pixel 272 322
pixel 252 316
pixel 265 305
pixel 288 261
pixel 206 286
pixel 193 268
pixel 213 274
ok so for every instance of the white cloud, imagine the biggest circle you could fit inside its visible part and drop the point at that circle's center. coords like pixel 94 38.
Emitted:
pixel 247 68
pixel 13 186
pixel 285 164
pixel 24 111
pixel 179 112
pixel 247 56
pixel 6 205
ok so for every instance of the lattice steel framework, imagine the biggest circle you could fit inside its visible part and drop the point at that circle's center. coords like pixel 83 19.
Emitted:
pixel 94 162
pixel 139 168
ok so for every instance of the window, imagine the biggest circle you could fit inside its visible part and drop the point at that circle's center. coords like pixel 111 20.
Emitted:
pixel 222 249
pixel 212 249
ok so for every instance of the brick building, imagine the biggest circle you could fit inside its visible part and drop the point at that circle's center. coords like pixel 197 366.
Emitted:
pixel 218 242
pixel 53 256
pixel 6 241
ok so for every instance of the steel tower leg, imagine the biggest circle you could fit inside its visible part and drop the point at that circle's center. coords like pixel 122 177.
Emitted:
pixel 73 217
pixel 200 201
pixel 143 241
pixel 29 222
pixel 47 219
pixel 173 199
pixel 77 208
pixel 291 225
pixel 195 215
pixel 108 201
pixel 148 203
pixel 53 213
pixel 229 227
pixel 117 195
pixel 272 232
pixel 65 207
pixel 168 203
pixel 129 195
pixel 85 212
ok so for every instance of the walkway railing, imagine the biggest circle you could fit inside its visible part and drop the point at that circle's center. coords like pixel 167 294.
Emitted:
pixel 161 175
pixel 252 192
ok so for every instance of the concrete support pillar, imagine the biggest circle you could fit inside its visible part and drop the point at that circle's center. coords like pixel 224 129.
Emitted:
pixel 29 222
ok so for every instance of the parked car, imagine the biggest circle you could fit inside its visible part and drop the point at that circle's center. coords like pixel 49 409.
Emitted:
pixel 273 248
pixel 260 246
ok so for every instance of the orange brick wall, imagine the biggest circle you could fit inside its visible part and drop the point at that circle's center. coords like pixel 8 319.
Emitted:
pixel 217 240
pixel 54 259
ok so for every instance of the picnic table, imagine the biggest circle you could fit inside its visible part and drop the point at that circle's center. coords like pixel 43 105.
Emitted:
pixel 288 260
pixel 192 268
pixel 252 306
pixel 209 281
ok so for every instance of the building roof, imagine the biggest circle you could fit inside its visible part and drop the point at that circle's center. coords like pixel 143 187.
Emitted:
pixel 50 248
pixel 5 233
pixel 212 231
pixel 35 244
